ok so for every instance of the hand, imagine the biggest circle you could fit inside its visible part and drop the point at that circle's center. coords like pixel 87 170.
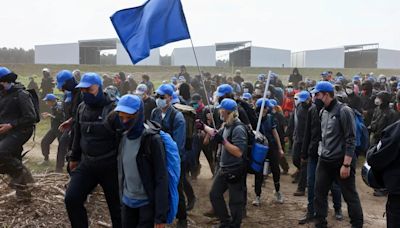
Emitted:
pixel 286 139
pixel 65 126
pixel 45 114
pixel 159 225
pixel 199 124
pixel 344 172
pixel 4 128
pixel 281 153
pixel 218 138
pixel 73 165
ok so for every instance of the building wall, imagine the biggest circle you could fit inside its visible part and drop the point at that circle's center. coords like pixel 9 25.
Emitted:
pixel 206 56
pixel 123 57
pixel 298 59
pixel 269 57
pixel 240 58
pixel 361 59
pixel 389 59
pixel 57 54
pixel 324 58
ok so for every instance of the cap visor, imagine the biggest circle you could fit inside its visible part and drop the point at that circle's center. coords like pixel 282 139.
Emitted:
pixel 220 94
pixel 125 109
pixel 83 85
pixel 160 92
pixel 314 91
pixel 59 85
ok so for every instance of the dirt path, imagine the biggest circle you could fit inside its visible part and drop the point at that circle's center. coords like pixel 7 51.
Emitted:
pixel 270 214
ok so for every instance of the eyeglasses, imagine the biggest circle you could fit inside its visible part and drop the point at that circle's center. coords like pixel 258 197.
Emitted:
pixel 162 97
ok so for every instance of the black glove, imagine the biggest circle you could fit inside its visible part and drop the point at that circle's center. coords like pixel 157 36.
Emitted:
pixel 218 138
pixel 199 124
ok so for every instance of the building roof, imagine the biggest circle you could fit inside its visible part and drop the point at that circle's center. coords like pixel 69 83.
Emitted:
pixel 231 45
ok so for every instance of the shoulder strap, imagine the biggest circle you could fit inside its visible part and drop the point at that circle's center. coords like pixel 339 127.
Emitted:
pixel 233 127
pixel 172 120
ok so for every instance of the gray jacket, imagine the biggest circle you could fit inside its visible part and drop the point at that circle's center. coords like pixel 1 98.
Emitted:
pixel 338 132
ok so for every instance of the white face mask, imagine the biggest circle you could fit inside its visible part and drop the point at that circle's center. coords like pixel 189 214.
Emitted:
pixel 296 102
pixel 161 103
pixel 349 91
pixel 245 90
pixel 289 90
pixel 378 101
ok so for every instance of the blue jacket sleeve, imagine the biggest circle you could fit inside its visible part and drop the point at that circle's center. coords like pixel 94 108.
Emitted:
pixel 179 133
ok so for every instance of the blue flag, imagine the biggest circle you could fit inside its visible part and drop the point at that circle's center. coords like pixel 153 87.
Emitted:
pixel 151 25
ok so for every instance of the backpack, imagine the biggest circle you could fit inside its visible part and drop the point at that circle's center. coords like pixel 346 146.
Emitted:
pixel 190 116
pixel 362 134
pixel 252 140
pixel 35 100
pixel 174 171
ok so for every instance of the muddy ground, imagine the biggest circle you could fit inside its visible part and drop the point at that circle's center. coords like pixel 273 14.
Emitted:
pixel 46 209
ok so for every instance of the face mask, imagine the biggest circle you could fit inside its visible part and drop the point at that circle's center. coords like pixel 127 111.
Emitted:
pixel 290 90
pixel 245 90
pixel 319 103
pixel 195 106
pixel 296 102
pixel 378 102
pixel 273 111
pixel 6 87
pixel 69 85
pixel 1 87
pixel 349 91
pixel 161 103
pixel 91 99
pixel 221 118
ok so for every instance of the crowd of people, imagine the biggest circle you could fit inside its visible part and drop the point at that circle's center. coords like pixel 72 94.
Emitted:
pixel 111 133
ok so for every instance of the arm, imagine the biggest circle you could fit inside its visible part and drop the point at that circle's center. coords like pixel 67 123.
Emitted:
pixel 278 141
pixel 179 132
pixel 28 113
pixel 238 146
pixel 76 140
pixel 160 180
pixel 349 130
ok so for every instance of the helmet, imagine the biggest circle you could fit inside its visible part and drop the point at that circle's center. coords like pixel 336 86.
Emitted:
pixel 369 178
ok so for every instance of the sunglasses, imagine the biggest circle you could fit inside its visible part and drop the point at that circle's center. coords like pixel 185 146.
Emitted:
pixel 162 97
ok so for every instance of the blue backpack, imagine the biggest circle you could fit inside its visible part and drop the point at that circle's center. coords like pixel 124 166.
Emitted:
pixel 362 134
pixel 174 172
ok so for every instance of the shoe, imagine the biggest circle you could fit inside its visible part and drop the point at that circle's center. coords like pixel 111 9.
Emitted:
pixel 182 223
pixel 299 193
pixel 24 178
pixel 45 162
pixel 190 204
pixel 285 172
pixel 321 224
pixel 380 193
pixel 339 215
pixel 306 219
pixel 256 202
pixel 278 197
pixel 210 213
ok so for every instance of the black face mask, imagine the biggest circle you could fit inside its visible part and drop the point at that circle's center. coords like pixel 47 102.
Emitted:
pixel 319 103
pixel 69 85
pixel 1 87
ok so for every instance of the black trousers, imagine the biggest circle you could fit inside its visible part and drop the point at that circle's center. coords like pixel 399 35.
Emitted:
pixel 325 174
pixel 187 186
pixel 236 200
pixel 181 214
pixel 48 139
pixel 393 211
pixel 11 147
pixel 83 180
pixel 142 217
pixel 63 147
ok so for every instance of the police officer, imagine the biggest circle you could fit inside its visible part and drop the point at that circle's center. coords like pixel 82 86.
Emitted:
pixel 337 160
pixel 231 175
pixel 94 153
pixel 57 117
pixel 17 119
pixel 173 122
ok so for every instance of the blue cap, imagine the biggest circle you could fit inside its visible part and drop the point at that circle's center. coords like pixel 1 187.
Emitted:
pixel 339 79
pixel 246 96
pixel 4 71
pixel 371 78
pixel 398 85
pixel 274 75
pixel 89 79
pixel 324 74
pixel 228 104
pixel 165 89
pixel 273 102
pixel 50 97
pixel 175 98
pixel 128 104
pixel 303 96
pixel 323 86
pixel 182 79
pixel 68 97
pixel 224 89
pixel 174 79
pixel 267 103
pixel 261 77
pixel 62 77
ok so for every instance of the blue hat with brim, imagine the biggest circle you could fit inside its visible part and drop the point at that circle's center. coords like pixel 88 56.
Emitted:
pixel 50 97
pixel 267 103
pixel 175 98
pixel 4 71
pixel 303 96
pixel 224 89
pixel 62 77
pixel 273 102
pixel 129 104
pixel 246 96
pixel 228 104
pixel 165 89
pixel 323 86
pixel 89 79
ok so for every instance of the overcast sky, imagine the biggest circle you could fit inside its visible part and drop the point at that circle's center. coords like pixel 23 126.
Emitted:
pixel 289 24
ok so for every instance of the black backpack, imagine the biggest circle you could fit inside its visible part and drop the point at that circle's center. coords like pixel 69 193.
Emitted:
pixel 35 100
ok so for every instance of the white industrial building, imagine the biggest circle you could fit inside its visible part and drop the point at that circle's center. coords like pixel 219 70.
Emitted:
pixel 241 54
pixel 88 52
pixel 350 56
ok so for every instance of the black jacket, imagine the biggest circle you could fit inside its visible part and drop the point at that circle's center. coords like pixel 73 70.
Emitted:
pixel 386 159
pixel 382 118
pixel 299 127
pixel 312 134
pixel 152 166
pixel 16 108
pixel 95 136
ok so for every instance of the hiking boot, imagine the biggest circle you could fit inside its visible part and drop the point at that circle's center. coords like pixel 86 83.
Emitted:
pixel 339 215
pixel 322 223
pixel 306 219
pixel 182 223
pixel 278 197
pixel 299 193
pixel 256 201
pixel 190 204
pixel 24 178
pixel 210 213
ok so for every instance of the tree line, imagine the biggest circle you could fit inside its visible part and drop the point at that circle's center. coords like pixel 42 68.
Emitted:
pixel 17 55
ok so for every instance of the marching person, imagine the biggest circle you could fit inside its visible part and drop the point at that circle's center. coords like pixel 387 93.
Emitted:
pixel 93 159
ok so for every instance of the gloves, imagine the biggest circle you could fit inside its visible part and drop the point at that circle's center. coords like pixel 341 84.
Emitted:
pixel 218 138
pixel 199 124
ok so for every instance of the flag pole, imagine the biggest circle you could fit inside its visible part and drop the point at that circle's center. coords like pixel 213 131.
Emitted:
pixel 202 81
